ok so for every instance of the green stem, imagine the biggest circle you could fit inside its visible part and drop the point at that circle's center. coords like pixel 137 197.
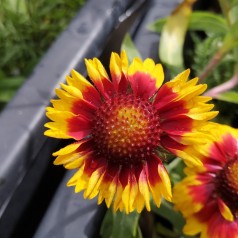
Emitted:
pixel 229 84
pixel 224 87
pixel 225 7
pixel 211 65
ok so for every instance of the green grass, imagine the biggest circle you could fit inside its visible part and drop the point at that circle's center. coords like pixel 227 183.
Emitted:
pixel 27 28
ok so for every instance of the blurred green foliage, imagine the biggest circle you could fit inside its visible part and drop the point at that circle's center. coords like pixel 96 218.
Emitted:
pixel 210 49
pixel 203 50
pixel 27 28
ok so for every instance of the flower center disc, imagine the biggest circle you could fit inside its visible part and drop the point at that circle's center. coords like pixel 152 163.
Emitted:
pixel 126 129
pixel 227 185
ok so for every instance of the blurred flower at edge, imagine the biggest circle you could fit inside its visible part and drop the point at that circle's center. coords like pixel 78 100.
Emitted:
pixel 208 196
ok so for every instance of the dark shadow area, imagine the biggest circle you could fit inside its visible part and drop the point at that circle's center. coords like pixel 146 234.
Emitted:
pixel 32 196
pixel 38 204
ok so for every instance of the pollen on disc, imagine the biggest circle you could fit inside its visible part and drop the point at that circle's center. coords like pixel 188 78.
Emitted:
pixel 126 129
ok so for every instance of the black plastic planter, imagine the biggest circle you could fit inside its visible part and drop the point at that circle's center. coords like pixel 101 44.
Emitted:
pixel 34 200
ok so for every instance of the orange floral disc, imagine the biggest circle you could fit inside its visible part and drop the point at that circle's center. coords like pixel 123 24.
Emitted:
pixel 126 130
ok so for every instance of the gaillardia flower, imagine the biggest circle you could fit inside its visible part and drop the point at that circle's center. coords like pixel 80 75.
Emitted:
pixel 208 196
pixel 119 123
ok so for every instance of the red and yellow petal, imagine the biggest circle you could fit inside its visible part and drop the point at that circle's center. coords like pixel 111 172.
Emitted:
pixel 71 113
pixel 212 144
pixel 204 212
pixel 189 92
pixel 89 93
pixel 94 183
pixel 119 70
pixel 158 180
pixel 139 202
pixel 79 180
pixel 99 77
pixel 58 128
pixel 182 196
pixel 134 187
pixel 145 77
pixel 76 106
pixel 72 156
pixel 224 144
pixel 89 176
pixel 109 185
pixel 225 210
pixel 77 91
pixel 67 125
pixel 73 100
pixel 129 193
pixel 118 204
pixel 127 189
pixel 218 227
pixel 144 188
pixel 195 144
pixel 193 226
pixel 165 98
pixel 183 114
pixel 78 127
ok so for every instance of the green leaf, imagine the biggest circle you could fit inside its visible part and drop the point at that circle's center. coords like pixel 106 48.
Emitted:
pixel 130 48
pixel 11 82
pixel 16 6
pixel 208 22
pixel 234 31
pixel 167 211
pixel 230 42
pixel 233 13
pixel 173 165
pixel 8 87
pixel 230 96
pixel 6 95
pixel 200 21
pixel 175 169
pixel 173 35
pixel 157 26
pixel 120 225
pixel 165 232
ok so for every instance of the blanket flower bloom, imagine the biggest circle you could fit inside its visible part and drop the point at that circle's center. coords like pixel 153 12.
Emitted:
pixel 120 123
pixel 208 196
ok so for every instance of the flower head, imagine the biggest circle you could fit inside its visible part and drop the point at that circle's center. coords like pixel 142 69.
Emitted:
pixel 208 196
pixel 119 123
